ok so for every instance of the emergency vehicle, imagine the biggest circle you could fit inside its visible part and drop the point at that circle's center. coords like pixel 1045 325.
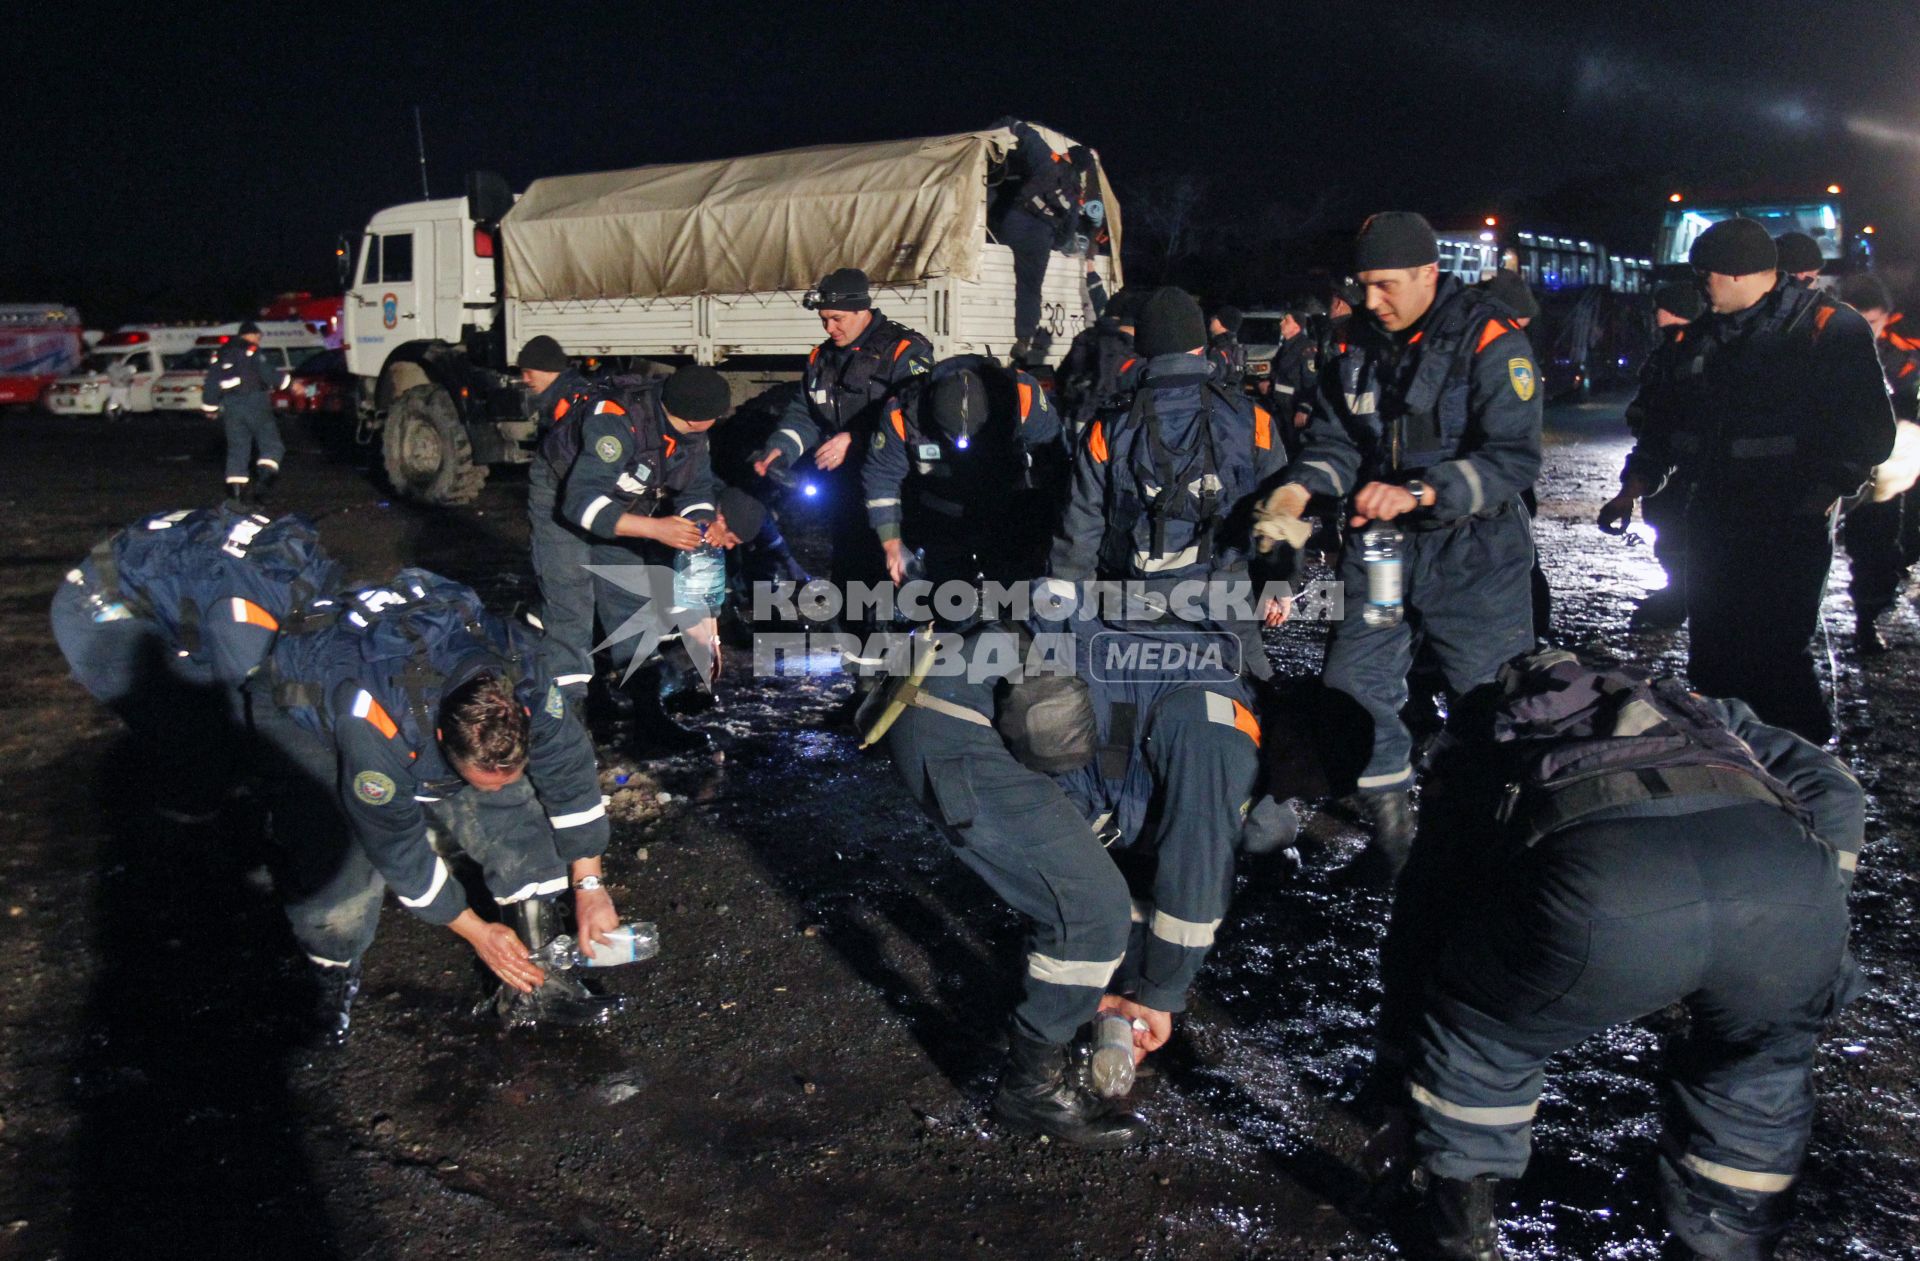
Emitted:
pixel 142 347
pixel 40 342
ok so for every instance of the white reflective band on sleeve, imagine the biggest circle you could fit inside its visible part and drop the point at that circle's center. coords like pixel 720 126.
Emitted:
pixel 1070 972
pixel 211 409
pixel 594 509
pixel 1149 563
pixel 1182 932
pixel 1476 487
pixel 1848 860
pixel 538 888
pixel 578 817
pixel 331 963
pixel 362 704
pixel 227 383
pixel 1282 389
pixel 1333 476
pixel 798 446
pixel 428 800
pixel 1519 1114
pixel 569 680
pixel 1385 781
pixel 699 507
pixel 883 503
pixel 1741 1179
pixel 433 889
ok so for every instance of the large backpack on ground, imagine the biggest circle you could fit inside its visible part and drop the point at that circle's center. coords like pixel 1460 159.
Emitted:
pixel 176 567
pixel 1577 740
pixel 404 642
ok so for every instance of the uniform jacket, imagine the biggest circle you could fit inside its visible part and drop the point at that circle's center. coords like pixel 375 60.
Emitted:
pixel 1229 360
pixel 1291 379
pixel 1100 366
pixel 843 388
pixel 1899 350
pixel 630 460
pixel 1454 401
pixel 241 373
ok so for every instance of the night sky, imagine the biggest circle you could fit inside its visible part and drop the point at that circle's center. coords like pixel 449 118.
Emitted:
pixel 167 165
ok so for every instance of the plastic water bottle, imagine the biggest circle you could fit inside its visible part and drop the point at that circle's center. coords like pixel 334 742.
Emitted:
pixel 700 577
pixel 628 943
pixel 1380 552
pixel 1111 1067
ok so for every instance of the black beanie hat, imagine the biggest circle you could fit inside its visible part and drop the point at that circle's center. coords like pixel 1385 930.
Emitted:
pixel 1799 252
pixel 1124 305
pixel 1864 291
pixel 1735 247
pixel 1350 291
pixel 543 354
pixel 1679 298
pixel 1394 239
pixel 746 516
pixel 248 327
pixel 1510 293
pixel 696 393
pixel 843 290
pixel 959 403
pixel 1230 318
pixel 1170 323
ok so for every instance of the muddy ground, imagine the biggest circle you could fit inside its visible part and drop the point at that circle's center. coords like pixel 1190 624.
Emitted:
pixel 806 1070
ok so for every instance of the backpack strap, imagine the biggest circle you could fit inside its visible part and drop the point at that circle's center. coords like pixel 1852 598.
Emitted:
pixel 1174 490
pixel 1588 796
pixel 1116 751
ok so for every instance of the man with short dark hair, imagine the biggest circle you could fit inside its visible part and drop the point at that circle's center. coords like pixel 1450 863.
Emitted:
pixel 240 386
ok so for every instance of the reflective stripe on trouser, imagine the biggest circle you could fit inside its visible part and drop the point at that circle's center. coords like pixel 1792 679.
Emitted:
pixel 1601 924
pixel 1205 770
pixel 252 434
pixel 1016 830
pixel 560 557
pixel 1469 602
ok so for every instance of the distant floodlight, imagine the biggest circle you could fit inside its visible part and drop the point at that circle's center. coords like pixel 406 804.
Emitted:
pixel 1833 189
pixel 1673 197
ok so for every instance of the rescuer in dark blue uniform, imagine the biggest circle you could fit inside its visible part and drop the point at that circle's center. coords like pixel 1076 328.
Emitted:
pixel 1101 366
pixel 561 549
pixel 1800 258
pixel 165 620
pixel 240 386
pixel 966 467
pixel 1163 488
pixel 640 482
pixel 1289 386
pixel 1882 534
pixel 1620 845
pixel 1035 213
pixel 1675 305
pixel 1428 416
pixel 408 706
pixel 1224 351
pixel 1778 410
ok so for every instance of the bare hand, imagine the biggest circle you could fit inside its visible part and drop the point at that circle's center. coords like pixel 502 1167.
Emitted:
pixel 1154 1036
pixel 720 534
pixel 1381 501
pixel 594 916
pixel 501 949
pixel 833 452
pixel 678 533
pixel 1300 420
pixel 1617 514
pixel 896 559
pixel 1276 612
pixel 708 633
pixel 765 462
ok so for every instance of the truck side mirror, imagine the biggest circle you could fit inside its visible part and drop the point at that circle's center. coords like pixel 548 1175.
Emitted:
pixel 343 261
pixel 488 197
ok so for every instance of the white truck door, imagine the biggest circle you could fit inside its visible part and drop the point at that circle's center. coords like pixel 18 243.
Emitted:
pixel 386 308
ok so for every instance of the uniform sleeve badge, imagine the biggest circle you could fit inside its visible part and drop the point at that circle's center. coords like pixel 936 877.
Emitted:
pixel 373 788
pixel 879 440
pixel 556 704
pixel 1520 372
pixel 608 449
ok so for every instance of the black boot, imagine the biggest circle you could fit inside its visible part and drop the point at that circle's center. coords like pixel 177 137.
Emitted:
pixel 1037 1095
pixel 1457 1217
pixel 562 999
pixel 335 990
pixel 264 476
pixel 1866 637
pixel 239 494
pixel 1391 814
pixel 655 734
pixel 1663 610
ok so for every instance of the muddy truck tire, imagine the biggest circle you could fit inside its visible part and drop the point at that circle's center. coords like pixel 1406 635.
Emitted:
pixel 428 455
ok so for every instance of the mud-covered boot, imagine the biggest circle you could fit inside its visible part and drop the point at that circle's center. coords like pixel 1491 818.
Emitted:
pixel 1391 814
pixel 334 992
pixel 1457 1217
pixel 1038 1095
pixel 562 999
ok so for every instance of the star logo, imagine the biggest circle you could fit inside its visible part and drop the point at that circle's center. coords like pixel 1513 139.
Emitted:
pixel 655 617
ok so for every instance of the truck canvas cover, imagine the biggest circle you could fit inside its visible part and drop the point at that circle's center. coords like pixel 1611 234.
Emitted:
pixel 904 211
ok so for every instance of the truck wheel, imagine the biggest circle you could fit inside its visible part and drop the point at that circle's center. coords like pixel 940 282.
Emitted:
pixel 427 452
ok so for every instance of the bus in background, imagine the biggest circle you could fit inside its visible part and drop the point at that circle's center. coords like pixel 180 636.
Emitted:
pixel 1821 217
pixel 40 342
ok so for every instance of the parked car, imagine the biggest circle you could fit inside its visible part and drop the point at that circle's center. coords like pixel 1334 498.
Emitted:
pixel 321 383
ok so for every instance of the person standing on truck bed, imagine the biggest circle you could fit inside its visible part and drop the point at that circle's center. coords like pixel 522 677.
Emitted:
pixel 1037 210
pixel 863 362
pixel 239 387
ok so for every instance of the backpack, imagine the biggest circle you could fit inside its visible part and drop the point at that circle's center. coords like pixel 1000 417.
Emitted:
pixel 175 567
pixel 403 642
pixel 1197 486
pixel 1577 740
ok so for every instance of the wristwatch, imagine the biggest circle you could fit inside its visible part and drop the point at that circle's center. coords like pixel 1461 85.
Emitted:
pixel 1418 489
pixel 587 884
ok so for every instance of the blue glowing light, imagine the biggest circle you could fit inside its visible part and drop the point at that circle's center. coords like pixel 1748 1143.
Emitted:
pixel 809 490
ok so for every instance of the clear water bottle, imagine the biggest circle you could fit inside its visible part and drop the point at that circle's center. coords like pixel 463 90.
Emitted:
pixel 1111 1066
pixel 628 943
pixel 1380 552
pixel 700 577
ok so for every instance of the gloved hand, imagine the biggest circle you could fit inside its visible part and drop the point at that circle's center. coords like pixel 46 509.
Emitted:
pixel 1277 519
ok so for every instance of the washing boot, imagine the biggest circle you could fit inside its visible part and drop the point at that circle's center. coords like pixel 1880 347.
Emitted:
pixel 1038 1095
pixel 654 732
pixel 563 999
pixel 334 992
pixel 1391 814
pixel 1457 1217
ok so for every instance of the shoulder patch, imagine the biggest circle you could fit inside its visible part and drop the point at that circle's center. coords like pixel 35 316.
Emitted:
pixel 879 440
pixel 1520 372
pixel 608 449
pixel 373 788
pixel 556 705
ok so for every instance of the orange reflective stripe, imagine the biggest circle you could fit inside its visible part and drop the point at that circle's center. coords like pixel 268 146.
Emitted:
pixel 1026 399
pixel 1243 720
pixel 813 354
pixel 672 446
pixel 899 423
pixel 1262 428
pixel 1415 339
pixel 1821 317
pixel 1097 442
pixel 901 349
pixel 1679 335
pixel 1128 363
pixel 610 408
pixel 251 614
pixel 1903 343
pixel 561 408
pixel 1904 369
pixel 382 721
pixel 1490 334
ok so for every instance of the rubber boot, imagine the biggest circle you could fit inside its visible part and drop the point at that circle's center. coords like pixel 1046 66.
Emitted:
pixel 1038 1095
pixel 1663 610
pixel 264 476
pixel 1391 814
pixel 239 494
pixel 1866 637
pixel 681 690
pixel 654 732
pixel 335 990
pixel 1457 1217
pixel 562 999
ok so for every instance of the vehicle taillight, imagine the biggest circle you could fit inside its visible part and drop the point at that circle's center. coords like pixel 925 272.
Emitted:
pixel 482 243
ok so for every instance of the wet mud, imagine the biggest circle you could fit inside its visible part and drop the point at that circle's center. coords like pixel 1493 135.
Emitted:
pixel 807 1063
